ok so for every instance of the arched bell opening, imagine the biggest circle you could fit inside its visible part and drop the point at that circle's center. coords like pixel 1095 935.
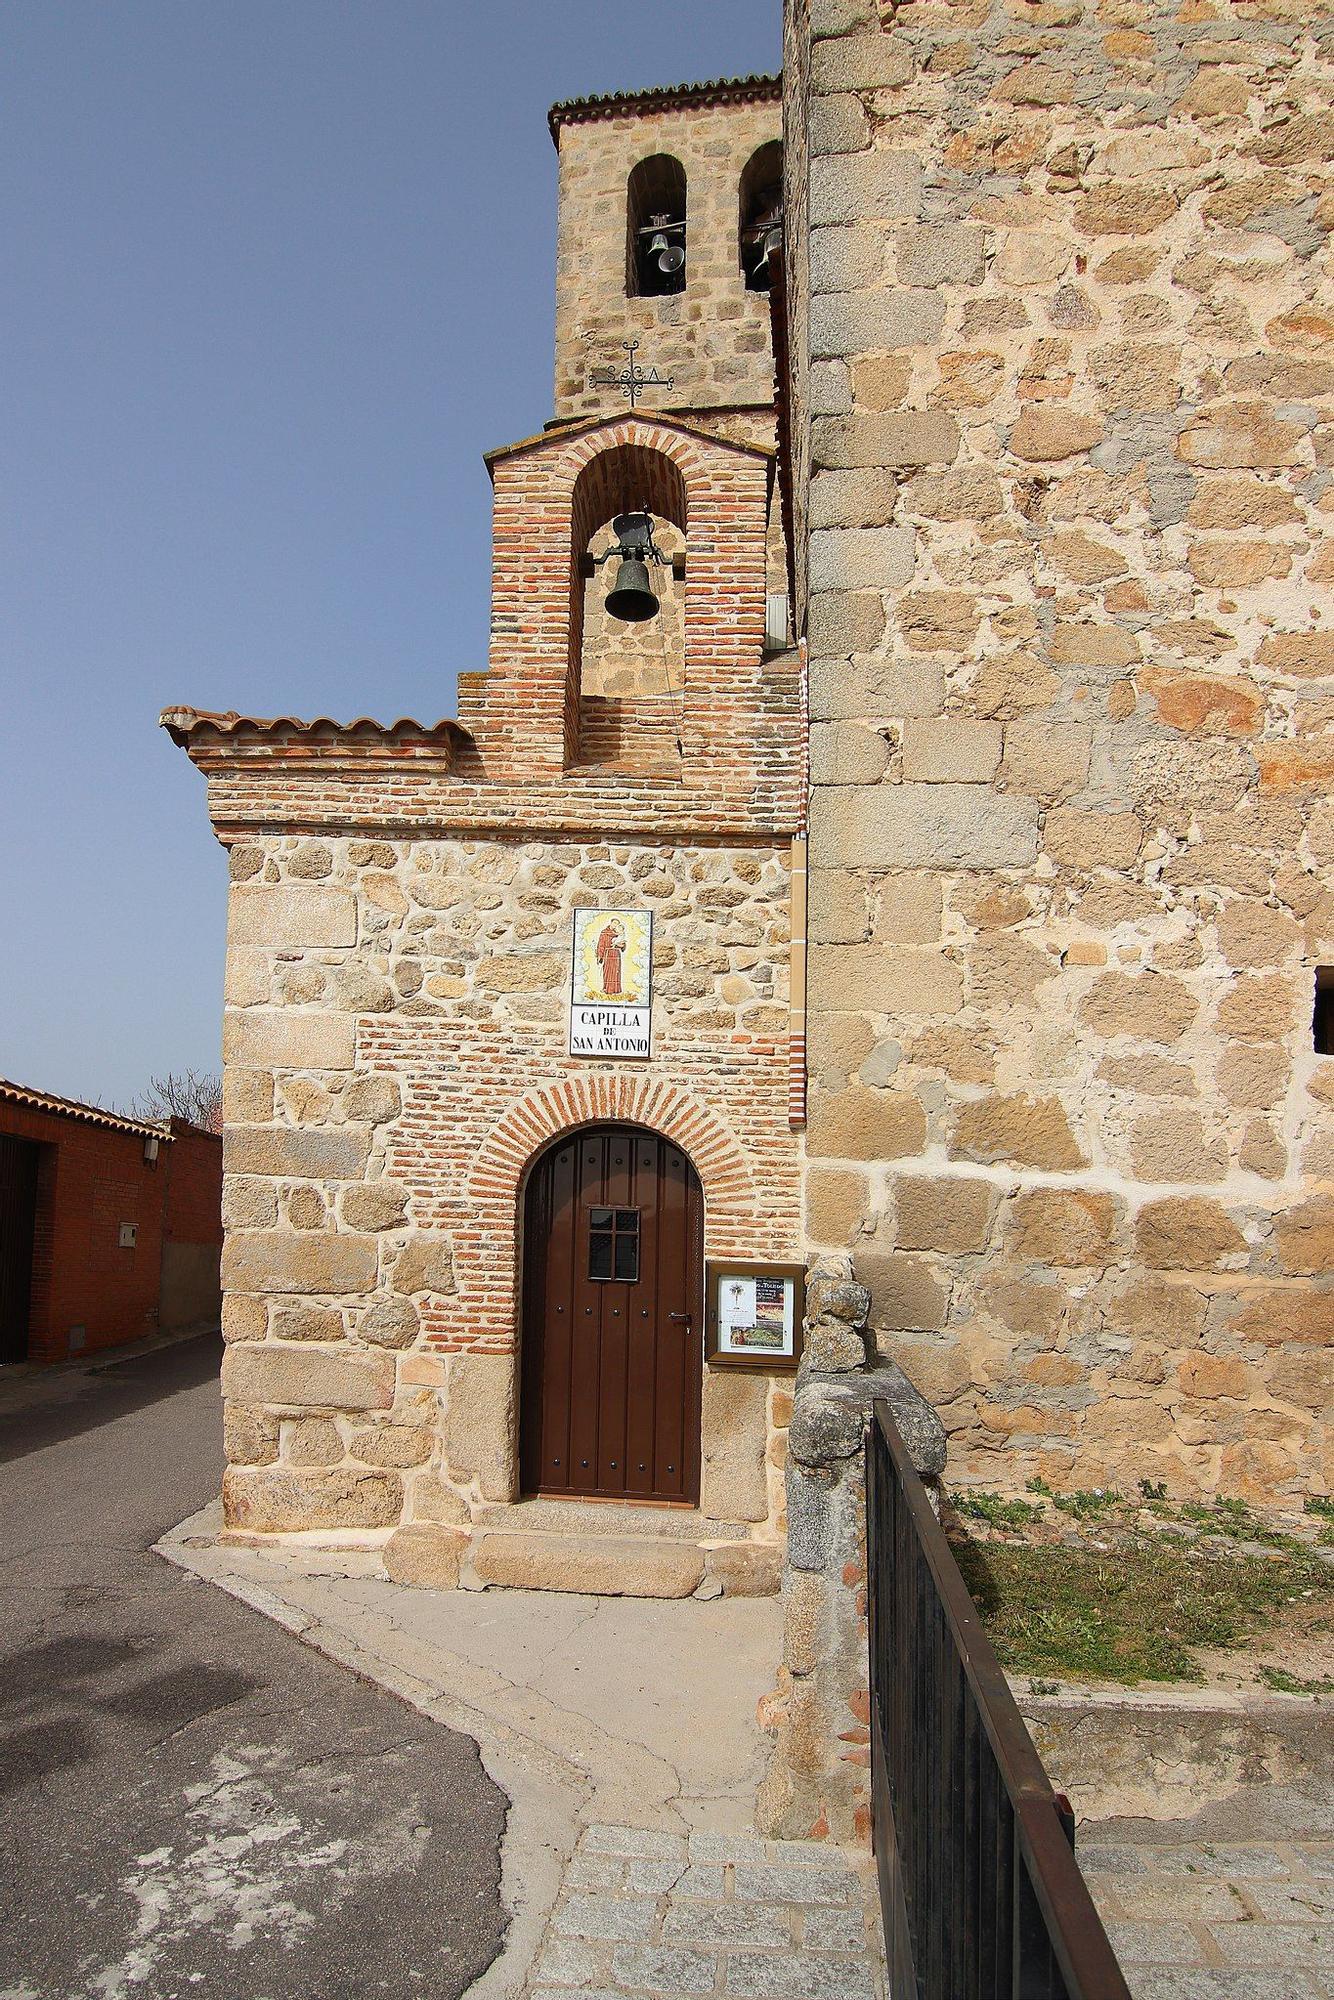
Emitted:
pixel 628 613
pixel 655 228
pixel 761 214
pixel 611 1357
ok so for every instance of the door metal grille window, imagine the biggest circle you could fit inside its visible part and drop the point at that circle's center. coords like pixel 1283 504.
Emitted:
pixel 613 1245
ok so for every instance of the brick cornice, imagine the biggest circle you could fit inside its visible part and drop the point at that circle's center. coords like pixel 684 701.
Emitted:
pixel 219 741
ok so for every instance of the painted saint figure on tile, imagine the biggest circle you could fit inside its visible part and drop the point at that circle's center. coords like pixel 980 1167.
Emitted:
pixel 611 998
pixel 610 950
pixel 612 957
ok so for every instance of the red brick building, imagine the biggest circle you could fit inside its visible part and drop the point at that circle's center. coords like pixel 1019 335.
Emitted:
pixel 110 1227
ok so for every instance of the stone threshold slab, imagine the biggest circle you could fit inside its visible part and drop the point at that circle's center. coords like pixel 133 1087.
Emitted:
pixel 608 1517
pixel 583 1561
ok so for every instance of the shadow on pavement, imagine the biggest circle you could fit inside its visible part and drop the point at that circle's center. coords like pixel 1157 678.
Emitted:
pixel 84 1399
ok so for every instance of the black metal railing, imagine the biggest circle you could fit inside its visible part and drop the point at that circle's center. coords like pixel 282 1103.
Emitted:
pixel 981 1894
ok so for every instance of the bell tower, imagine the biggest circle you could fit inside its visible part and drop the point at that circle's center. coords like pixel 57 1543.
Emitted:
pixel 668 200
pixel 638 544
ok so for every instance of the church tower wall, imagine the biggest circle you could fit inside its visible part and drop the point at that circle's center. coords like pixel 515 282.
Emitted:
pixel 1062 506
pixel 712 337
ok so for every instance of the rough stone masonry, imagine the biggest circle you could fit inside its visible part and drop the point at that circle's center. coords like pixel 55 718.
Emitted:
pixel 1054 447
pixel 1063 355
pixel 403 902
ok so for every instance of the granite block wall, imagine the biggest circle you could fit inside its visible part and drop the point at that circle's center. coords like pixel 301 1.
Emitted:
pixel 1063 456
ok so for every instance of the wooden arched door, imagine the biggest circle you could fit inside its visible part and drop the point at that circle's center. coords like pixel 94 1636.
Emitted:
pixel 613 1318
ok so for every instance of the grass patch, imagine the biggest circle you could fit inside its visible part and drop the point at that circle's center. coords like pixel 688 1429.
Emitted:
pixel 995 1510
pixel 1283 1682
pixel 1096 1586
pixel 1129 1614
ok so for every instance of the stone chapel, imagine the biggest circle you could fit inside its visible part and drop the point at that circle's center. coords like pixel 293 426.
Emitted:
pixel 466 1249
pixel 520 1006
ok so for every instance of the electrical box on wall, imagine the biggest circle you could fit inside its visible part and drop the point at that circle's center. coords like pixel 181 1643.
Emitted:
pixel 129 1235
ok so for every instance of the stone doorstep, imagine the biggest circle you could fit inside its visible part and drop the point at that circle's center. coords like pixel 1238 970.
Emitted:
pixel 607 1517
pixel 585 1562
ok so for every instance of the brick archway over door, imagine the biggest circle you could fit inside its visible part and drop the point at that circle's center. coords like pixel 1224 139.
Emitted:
pixel 736 1213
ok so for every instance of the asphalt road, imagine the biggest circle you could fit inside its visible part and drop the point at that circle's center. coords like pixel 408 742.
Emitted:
pixel 191 1802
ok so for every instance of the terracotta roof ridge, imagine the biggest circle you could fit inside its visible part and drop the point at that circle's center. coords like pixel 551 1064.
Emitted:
pixel 72 1107
pixel 181 722
pixel 623 103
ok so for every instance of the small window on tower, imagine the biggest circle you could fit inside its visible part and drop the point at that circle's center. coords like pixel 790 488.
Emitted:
pixel 761 214
pixel 1322 1025
pixel 655 248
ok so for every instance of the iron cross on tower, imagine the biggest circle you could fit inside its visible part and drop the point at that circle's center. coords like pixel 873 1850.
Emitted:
pixel 631 380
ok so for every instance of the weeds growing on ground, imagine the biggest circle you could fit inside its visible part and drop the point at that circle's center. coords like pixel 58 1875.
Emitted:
pixel 1238 1522
pixel 1283 1682
pixel 997 1511
pixel 1130 1598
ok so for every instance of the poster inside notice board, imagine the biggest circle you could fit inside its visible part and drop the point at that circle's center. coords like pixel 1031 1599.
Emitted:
pixel 755 1312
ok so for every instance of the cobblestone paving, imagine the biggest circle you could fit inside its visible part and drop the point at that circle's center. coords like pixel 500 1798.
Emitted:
pixel 1218 1921
pixel 658 1913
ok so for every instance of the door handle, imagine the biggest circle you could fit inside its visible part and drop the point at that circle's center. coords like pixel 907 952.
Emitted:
pixel 685 1316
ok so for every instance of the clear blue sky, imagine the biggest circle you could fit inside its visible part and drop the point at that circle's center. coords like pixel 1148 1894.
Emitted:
pixel 277 272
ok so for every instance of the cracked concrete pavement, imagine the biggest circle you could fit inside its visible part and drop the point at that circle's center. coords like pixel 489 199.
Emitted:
pixel 224 1810
pixel 191 1801
pixel 621 1711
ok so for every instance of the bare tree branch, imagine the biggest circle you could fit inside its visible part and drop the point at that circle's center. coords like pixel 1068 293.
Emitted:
pixel 193 1094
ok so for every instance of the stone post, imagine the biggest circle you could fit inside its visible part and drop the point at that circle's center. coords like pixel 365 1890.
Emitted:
pixel 817 1786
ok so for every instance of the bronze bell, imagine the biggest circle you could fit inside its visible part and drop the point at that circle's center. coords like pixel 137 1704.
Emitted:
pixel 631 597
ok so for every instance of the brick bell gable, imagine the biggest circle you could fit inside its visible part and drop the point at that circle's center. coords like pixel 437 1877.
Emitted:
pixel 550 493
pixel 506 762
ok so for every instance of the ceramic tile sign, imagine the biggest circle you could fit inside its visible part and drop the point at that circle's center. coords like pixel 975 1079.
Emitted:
pixel 612 993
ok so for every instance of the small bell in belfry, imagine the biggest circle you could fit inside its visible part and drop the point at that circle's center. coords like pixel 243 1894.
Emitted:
pixel 632 597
